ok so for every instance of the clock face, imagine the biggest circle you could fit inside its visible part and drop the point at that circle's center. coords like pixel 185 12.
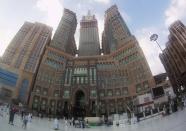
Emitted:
pixel 88 17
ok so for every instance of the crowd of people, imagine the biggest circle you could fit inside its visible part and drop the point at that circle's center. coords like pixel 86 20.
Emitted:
pixel 173 104
pixel 26 117
pixel 11 110
pixel 77 123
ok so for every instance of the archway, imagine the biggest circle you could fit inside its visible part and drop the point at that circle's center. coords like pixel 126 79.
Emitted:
pixel 66 110
pixel 79 104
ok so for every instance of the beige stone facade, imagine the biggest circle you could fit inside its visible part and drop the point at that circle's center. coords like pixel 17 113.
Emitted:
pixel 22 57
pixel 174 56
pixel 69 85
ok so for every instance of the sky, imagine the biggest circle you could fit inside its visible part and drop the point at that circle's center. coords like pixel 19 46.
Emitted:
pixel 143 17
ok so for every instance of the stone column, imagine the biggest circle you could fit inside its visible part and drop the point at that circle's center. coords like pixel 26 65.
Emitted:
pixel 116 105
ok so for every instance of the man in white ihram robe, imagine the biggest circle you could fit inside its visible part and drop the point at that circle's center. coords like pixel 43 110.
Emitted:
pixel 56 124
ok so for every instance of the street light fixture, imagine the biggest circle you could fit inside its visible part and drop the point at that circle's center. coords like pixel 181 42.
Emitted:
pixel 154 37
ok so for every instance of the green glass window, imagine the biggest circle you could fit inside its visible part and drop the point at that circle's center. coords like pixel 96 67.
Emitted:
pixel 92 70
pixel 109 93
pixel 145 84
pixel 82 80
pixel 117 92
pixel 36 100
pixel 44 92
pixel 90 75
pixel 74 80
pixel 66 94
pixel 86 80
pixel 102 94
pixel 138 88
pixel 125 91
pixel 43 102
pixel 37 90
pixel 56 93
pixel 94 75
pixel 93 93
pixel 77 80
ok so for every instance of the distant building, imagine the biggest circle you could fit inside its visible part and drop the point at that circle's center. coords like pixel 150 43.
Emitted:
pixel 23 56
pixel 163 88
pixel 159 94
pixel 162 80
pixel 174 56
pixel 143 103
pixel 89 37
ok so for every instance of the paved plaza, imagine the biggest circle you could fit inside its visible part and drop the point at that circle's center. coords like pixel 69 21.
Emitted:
pixel 173 122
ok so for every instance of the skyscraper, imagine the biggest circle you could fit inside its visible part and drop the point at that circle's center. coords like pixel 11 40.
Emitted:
pixel 27 47
pixel 89 38
pixel 12 49
pixel 116 32
pixel 49 86
pixel 64 36
pixel 173 56
pixel 23 56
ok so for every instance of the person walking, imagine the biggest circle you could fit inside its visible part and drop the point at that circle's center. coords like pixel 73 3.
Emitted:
pixel 25 121
pixel 11 115
pixel 164 110
pixel 22 114
pixel 1 111
pixel 56 124
pixel 30 117
pixel 70 122
pixel 83 123
pixel 175 105
pixel 73 122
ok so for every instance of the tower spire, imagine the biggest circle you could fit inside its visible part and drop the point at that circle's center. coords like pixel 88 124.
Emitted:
pixel 89 13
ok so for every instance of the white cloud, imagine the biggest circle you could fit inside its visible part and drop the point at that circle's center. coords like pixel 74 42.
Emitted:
pixel 103 1
pixel 53 10
pixel 175 11
pixel 5 37
pixel 125 16
pixel 151 49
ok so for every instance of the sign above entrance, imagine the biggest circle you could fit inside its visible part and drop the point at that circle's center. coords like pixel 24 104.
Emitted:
pixel 80 71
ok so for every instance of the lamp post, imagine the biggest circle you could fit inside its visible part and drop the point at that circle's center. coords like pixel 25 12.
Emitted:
pixel 154 37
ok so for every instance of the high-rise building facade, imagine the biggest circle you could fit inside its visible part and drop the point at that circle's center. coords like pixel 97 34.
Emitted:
pixel 91 84
pixel 15 44
pixel 89 37
pixel 173 56
pixel 116 32
pixel 64 36
pixel 47 92
pixel 22 58
pixel 27 47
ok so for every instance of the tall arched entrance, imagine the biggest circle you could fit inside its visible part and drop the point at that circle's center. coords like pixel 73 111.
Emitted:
pixel 79 104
